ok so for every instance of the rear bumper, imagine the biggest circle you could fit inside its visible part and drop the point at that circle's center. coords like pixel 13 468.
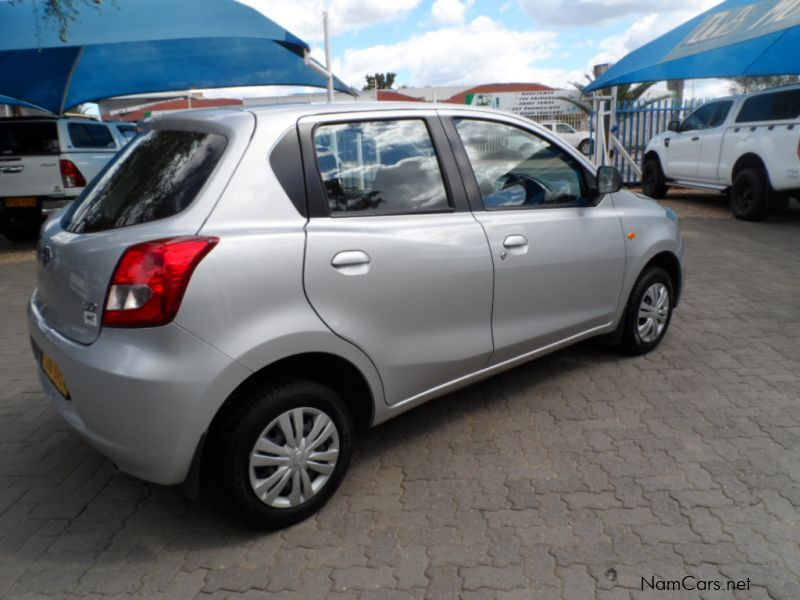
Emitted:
pixel 45 206
pixel 142 397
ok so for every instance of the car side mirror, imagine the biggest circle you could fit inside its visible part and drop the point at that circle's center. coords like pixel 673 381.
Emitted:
pixel 609 180
pixel 674 125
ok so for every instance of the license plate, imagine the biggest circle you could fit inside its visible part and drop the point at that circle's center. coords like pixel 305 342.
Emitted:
pixel 53 371
pixel 23 202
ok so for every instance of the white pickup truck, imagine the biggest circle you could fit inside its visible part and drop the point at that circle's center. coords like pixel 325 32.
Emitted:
pixel 45 162
pixel 747 146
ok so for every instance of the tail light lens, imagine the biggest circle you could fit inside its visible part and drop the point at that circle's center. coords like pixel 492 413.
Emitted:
pixel 149 282
pixel 71 175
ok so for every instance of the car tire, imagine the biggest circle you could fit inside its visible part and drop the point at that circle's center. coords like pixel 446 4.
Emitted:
pixel 653 180
pixel 21 230
pixel 648 312
pixel 749 195
pixel 254 446
pixel 585 147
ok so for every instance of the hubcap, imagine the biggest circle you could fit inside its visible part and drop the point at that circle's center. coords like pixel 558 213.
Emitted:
pixel 294 457
pixel 745 197
pixel 653 313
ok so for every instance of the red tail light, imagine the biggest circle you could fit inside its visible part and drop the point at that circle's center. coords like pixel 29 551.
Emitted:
pixel 149 282
pixel 71 175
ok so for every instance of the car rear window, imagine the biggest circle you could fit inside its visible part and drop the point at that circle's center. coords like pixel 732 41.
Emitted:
pixel 157 176
pixel 28 137
pixel 776 106
pixel 90 136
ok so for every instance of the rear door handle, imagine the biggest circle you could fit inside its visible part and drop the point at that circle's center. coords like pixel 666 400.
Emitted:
pixel 351 262
pixel 695 138
pixel 515 241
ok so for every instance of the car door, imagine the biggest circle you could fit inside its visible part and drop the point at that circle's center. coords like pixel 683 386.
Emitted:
pixel 711 144
pixel 395 261
pixel 683 150
pixel 558 251
pixel 567 133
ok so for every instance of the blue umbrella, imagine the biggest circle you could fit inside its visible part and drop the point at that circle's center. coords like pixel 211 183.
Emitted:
pixel 139 46
pixel 738 38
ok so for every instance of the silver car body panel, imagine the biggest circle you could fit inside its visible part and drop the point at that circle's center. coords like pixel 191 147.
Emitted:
pixel 416 324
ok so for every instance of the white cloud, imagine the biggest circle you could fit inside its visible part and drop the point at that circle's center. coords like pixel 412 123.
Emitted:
pixel 600 12
pixel 480 51
pixel 304 17
pixel 645 30
pixel 448 11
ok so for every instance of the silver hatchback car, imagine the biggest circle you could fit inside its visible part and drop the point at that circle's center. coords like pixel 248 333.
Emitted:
pixel 240 291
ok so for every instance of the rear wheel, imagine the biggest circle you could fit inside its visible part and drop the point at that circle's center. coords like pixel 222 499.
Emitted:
pixel 653 180
pixel 649 312
pixel 749 195
pixel 284 453
pixel 22 229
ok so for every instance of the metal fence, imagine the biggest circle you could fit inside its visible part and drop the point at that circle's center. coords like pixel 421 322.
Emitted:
pixel 636 123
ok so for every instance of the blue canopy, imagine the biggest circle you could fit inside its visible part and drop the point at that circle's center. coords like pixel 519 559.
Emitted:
pixel 138 46
pixel 738 38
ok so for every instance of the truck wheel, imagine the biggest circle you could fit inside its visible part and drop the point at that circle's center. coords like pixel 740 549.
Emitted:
pixel 282 455
pixel 749 195
pixel 21 230
pixel 653 181
pixel 585 147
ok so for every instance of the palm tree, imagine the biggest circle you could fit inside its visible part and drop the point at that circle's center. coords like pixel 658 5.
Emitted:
pixel 627 92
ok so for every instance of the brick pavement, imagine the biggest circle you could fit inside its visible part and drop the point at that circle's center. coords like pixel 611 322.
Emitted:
pixel 571 477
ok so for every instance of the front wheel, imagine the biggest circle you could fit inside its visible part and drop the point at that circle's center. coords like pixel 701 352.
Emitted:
pixel 649 312
pixel 653 181
pixel 285 453
pixel 585 147
pixel 749 195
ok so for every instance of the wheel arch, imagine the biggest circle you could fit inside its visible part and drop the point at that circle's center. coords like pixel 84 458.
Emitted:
pixel 331 370
pixel 749 160
pixel 669 262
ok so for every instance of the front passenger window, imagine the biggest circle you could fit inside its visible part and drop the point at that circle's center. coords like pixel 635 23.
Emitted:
pixel 517 169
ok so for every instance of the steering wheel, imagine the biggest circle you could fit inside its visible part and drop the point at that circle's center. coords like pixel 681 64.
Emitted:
pixel 536 191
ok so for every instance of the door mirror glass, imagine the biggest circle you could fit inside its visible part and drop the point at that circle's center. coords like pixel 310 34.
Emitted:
pixel 674 125
pixel 609 180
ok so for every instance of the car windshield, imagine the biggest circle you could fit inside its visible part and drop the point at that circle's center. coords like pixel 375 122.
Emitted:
pixel 157 176
pixel 28 137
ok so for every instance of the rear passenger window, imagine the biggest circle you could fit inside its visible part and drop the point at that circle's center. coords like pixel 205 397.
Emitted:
pixel 84 135
pixel 775 106
pixel 156 176
pixel 373 167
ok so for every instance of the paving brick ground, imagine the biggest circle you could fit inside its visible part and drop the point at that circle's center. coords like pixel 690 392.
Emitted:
pixel 572 477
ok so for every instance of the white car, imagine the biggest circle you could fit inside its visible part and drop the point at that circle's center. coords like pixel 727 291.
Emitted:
pixel 580 139
pixel 45 162
pixel 747 146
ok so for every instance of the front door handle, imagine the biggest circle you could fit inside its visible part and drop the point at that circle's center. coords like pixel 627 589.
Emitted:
pixel 695 138
pixel 351 262
pixel 515 241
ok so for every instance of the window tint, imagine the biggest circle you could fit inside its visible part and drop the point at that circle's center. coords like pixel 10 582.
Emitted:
pixel 516 169
pixel 28 137
pixel 127 131
pixel 721 113
pixel 380 166
pixel 156 176
pixel 775 106
pixel 90 136
pixel 700 118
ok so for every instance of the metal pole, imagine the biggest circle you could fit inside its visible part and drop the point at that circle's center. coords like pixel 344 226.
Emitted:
pixel 328 65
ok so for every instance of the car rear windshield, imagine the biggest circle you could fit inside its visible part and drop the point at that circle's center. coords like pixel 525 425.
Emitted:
pixel 157 176
pixel 28 137
pixel 775 106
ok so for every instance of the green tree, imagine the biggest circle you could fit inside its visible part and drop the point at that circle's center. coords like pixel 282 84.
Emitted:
pixel 627 92
pixel 746 85
pixel 380 81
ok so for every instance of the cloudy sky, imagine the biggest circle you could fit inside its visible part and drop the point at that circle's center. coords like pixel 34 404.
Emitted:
pixel 455 42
